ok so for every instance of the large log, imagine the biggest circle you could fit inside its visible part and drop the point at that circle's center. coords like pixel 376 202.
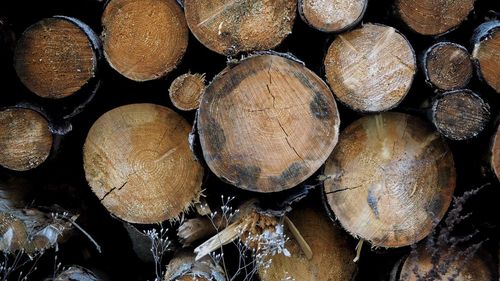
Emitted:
pixel 486 53
pixel 371 68
pixel 332 16
pixel 229 27
pixel 56 57
pixel 144 39
pixel 267 123
pixel 138 162
pixel 390 179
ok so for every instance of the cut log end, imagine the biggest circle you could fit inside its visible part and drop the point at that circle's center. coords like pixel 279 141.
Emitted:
pixel 332 16
pixel 138 162
pixel 144 39
pixel 390 179
pixel 229 27
pixel 25 139
pixel 460 114
pixel 486 53
pixel 56 57
pixel 186 91
pixel 447 66
pixel 433 17
pixel 267 124
pixel 371 68
pixel 495 153
pixel 184 267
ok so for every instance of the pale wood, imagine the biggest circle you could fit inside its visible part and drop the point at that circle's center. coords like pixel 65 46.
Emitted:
pixel 486 53
pixel 144 39
pixel 76 273
pixel 138 162
pixel 186 91
pixel 332 15
pixel 390 178
pixel 267 123
pixel 371 68
pixel 231 26
pixel 184 267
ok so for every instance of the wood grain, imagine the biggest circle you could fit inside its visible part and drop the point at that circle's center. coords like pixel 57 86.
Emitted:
pixel 332 15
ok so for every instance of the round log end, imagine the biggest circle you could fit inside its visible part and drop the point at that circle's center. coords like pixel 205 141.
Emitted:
pixel 144 39
pixel 390 178
pixel 495 153
pixel 229 27
pixel 25 139
pixel 56 57
pixel 486 53
pixel 267 123
pixel 371 68
pixel 186 91
pixel 138 162
pixel 332 16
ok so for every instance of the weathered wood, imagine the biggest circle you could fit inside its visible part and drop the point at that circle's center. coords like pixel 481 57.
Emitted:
pixel 494 152
pixel 332 16
pixel 138 163
pixel 144 39
pixel 371 68
pixel 267 123
pixel 447 66
pixel 486 53
pixel 25 139
pixel 186 91
pixel 331 253
pixel 460 114
pixel 229 26
pixel 433 17
pixel 56 57
pixel 390 178
pixel 184 267
pixel 76 273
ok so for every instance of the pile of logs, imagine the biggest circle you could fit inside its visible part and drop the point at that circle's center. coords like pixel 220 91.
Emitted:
pixel 331 123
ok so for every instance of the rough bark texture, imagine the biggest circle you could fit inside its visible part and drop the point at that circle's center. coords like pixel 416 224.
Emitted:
pixel 460 114
pixel 371 68
pixel 183 267
pixel 433 17
pixel 389 179
pixel 332 16
pixel 25 139
pixel 56 57
pixel 230 26
pixel 447 66
pixel 138 162
pixel 486 53
pixel 331 253
pixel 186 91
pixel 267 123
pixel 144 39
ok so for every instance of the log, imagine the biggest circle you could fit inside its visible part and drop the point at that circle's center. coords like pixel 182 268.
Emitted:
pixel 460 114
pixel 494 152
pixel 25 139
pixel 450 264
pixel 138 163
pixel 390 179
pixel 76 273
pixel 229 27
pixel 433 17
pixel 144 39
pixel 332 16
pixel 55 57
pixel 184 267
pixel 447 66
pixel 371 68
pixel 331 253
pixel 186 91
pixel 267 124
pixel 486 53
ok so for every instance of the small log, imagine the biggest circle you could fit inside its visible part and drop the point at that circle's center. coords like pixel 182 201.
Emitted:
pixel 57 56
pixel 184 267
pixel 449 264
pixel 144 39
pixel 433 17
pixel 460 114
pixel 331 253
pixel 138 163
pixel 371 68
pixel 186 91
pixel 25 139
pixel 278 126
pixel 76 273
pixel 332 16
pixel 486 53
pixel 230 27
pixel 390 178
pixel 447 66
pixel 494 153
